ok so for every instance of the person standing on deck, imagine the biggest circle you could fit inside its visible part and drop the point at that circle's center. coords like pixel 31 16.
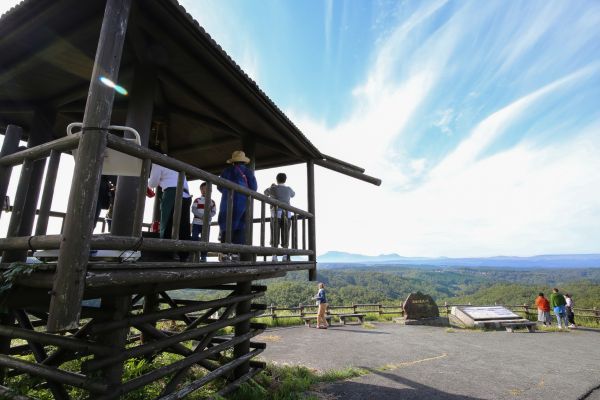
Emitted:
pixel 558 302
pixel 543 306
pixel 198 209
pixel 322 303
pixel 238 173
pixel 167 180
pixel 282 193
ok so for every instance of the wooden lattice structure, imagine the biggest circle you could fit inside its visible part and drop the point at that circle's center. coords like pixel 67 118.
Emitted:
pixel 185 94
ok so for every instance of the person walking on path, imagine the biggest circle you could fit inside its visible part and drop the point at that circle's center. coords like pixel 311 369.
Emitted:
pixel 558 303
pixel 543 306
pixel 570 312
pixel 198 209
pixel 280 232
pixel 322 303
pixel 238 173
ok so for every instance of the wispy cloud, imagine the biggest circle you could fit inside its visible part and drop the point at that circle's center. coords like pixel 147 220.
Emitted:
pixel 476 199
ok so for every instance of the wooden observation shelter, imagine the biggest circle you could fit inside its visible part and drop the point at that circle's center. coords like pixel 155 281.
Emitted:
pixel 188 96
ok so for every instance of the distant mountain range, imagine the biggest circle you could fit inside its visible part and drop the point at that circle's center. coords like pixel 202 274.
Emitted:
pixel 548 261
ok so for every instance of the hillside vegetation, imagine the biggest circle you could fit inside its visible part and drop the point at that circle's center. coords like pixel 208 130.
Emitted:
pixel 391 284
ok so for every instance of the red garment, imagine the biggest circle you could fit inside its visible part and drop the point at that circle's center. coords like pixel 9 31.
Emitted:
pixel 542 303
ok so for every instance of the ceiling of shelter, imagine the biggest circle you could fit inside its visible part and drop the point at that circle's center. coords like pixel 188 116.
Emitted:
pixel 205 107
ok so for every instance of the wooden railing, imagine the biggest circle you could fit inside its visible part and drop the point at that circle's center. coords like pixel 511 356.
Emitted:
pixel 527 311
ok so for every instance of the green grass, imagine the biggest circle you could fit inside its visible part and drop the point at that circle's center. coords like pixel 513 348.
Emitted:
pixel 290 382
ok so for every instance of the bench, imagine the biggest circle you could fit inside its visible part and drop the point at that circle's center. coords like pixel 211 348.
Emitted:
pixel 308 318
pixel 344 317
pixel 510 326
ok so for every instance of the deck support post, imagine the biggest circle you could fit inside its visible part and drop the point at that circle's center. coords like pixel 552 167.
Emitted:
pixel 312 239
pixel 242 328
pixel 67 292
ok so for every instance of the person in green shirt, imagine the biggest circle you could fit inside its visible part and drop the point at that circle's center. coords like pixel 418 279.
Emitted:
pixel 558 302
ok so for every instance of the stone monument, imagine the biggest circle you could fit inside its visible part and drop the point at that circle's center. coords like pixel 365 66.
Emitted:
pixel 421 309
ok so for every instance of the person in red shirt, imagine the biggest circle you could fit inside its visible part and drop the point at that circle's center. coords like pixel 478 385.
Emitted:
pixel 543 306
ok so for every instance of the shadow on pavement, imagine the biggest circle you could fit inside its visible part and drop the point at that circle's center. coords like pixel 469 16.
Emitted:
pixel 401 388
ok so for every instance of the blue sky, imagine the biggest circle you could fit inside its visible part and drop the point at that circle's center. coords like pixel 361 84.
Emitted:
pixel 481 117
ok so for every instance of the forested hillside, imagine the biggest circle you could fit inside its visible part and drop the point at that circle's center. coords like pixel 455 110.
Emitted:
pixel 391 284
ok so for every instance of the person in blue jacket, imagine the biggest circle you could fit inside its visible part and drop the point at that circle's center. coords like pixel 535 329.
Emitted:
pixel 239 173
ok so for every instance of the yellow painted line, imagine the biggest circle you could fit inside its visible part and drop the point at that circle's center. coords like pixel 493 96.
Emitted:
pixel 409 363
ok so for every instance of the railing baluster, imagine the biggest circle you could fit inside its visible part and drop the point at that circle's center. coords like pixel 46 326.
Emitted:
pixel 177 206
pixel 229 216
pixel 140 201
pixel 263 208
pixel 207 212
pixel 303 233
pixel 42 223
pixel 275 226
pixel 295 231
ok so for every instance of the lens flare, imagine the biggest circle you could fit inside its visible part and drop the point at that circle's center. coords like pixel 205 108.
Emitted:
pixel 119 89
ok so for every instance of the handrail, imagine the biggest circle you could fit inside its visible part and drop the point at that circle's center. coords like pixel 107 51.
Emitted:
pixel 122 145
pixel 42 150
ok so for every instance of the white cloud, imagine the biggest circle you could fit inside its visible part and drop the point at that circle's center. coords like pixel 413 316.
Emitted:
pixel 528 199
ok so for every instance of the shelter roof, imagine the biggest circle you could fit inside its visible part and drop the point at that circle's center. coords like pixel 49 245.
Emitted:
pixel 205 105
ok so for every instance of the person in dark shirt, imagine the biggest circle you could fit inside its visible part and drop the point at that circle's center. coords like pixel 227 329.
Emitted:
pixel 239 173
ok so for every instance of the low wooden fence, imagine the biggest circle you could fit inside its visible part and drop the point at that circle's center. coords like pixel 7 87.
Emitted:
pixel 274 312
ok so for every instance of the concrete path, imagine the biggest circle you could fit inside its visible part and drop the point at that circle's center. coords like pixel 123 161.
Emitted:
pixel 419 362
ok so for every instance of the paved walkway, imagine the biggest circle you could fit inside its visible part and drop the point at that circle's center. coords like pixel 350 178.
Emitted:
pixel 419 362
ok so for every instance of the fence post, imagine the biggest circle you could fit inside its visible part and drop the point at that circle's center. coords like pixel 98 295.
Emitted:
pixel 526 308
pixel 446 306
pixel 353 308
pixel 380 309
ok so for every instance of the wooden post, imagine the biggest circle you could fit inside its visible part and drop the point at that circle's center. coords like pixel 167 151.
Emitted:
pixel 312 239
pixel 51 173
pixel 242 328
pixel 69 282
pixel 118 308
pixel 41 132
pixel 139 117
pixel 9 146
pixel 15 225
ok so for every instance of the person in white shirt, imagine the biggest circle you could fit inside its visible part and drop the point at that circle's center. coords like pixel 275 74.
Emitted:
pixel 198 209
pixel 282 193
pixel 570 312
pixel 167 180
